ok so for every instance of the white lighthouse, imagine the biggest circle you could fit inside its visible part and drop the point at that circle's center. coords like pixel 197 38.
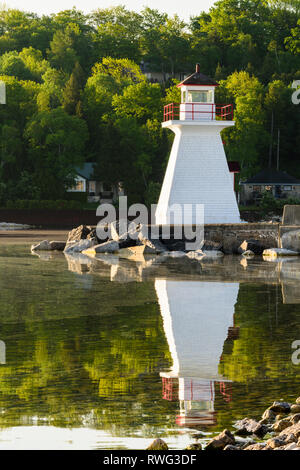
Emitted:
pixel 197 171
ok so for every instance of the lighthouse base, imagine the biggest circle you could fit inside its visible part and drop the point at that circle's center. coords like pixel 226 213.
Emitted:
pixel 197 174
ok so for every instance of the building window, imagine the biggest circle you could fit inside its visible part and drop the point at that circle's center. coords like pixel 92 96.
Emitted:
pixel 256 188
pixel 287 188
pixel 79 186
pixel 200 96
pixel 268 188
pixel 92 187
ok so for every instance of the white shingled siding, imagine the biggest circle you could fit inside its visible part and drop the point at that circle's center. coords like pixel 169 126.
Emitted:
pixel 198 173
pixel 196 319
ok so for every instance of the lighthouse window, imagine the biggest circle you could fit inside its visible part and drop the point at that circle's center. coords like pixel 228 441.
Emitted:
pixel 200 96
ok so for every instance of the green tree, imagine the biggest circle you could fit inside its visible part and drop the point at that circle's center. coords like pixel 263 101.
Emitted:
pixel 72 103
pixel 56 144
pixel 62 52
pixel 143 100
pixel 246 141
pixel 117 33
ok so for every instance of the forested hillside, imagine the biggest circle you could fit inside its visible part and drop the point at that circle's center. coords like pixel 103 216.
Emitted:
pixel 76 92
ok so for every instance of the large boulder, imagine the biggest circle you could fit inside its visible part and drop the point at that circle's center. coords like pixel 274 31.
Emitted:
pixel 269 416
pixel 122 230
pixel 57 245
pixel 277 252
pixel 41 246
pixel 253 245
pixel 291 240
pixel 282 424
pixel 79 246
pixel 175 245
pixel 196 446
pixel 145 238
pixel 291 430
pixel 280 407
pixel 79 233
pixel 295 408
pixel 221 441
pixel 108 247
pixel 210 245
pixel 45 245
pixel 158 444
pixel 258 446
pixel 248 426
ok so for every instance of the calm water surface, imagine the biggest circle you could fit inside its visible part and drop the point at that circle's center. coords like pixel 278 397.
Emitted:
pixel 111 353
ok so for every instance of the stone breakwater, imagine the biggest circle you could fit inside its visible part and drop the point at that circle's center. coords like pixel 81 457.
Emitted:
pixel 220 239
pixel 278 429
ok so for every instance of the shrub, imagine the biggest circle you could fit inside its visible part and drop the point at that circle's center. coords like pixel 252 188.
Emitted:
pixel 269 203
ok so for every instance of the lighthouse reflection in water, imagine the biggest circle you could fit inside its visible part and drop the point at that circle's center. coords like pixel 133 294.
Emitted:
pixel 198 318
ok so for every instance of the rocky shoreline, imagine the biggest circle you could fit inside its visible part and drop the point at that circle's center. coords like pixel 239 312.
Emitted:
pixel 136 240
pixel 278 429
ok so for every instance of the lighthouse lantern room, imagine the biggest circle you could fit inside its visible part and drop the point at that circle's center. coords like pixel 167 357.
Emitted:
pixel 197 171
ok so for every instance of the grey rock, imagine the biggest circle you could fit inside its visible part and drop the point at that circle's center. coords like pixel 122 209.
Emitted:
pixel 248 254
pixel 292 446
pixel 45 245
pixel 200 254
pixel 295 418
pixel 275 442
pixel 79 246
pixel 253 245
pixel 288 438
pixel 79 233
pixel 41 246
pixel 282 424
pixel 269 415
pixel 57 245
pixel 107 247
pixel 294 429
pixel 194 447
pixel 158 444
pixel 221 441
pixel 280 407
pixel 196 255
pixel 291 240
pixel 174 245
pixel 123 230
pixel 258 446
pixel 145 238
pixel 277 252
pixel 248 426
pixel 295 408
pixel 210 245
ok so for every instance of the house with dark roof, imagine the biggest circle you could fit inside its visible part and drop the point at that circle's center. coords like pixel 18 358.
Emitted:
pixel 96 191
pixel 279 183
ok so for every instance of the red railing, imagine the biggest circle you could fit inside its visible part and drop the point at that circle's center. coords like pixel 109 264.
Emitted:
pixel 198 112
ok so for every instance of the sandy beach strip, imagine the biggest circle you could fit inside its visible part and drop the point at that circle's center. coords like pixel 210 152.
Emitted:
pixel 31 236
